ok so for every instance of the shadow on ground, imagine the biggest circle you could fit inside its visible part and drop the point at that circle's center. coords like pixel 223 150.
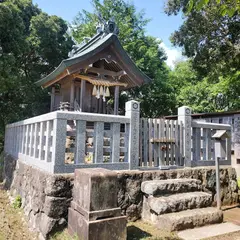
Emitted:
pixel 135 233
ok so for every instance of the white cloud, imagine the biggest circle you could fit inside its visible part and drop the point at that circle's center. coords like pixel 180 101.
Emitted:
pixel 173 55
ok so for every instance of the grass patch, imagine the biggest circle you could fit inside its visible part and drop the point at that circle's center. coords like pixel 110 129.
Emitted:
pixel 238 182
pixel 12 225
pixel 17 203
pixel 135 231
pixel 64 235
pixel 140 230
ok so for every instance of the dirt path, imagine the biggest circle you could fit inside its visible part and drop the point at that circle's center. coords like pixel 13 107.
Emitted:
pixel 12 225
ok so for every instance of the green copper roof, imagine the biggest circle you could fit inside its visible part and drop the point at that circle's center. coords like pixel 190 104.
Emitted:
pixel 88 50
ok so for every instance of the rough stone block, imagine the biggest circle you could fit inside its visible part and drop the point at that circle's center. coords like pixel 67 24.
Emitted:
pixel 91 187
pixel 102 229
pixel 179 202
pixel 56 207
pixel 170 186
pixel 59 185
pixel 188 219
pixel 46 224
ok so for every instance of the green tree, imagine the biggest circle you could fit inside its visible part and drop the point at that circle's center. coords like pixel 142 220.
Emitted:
pixel 32 43
pixel 204 94
pixel 226 7
pixel 157 98
pixel 210 39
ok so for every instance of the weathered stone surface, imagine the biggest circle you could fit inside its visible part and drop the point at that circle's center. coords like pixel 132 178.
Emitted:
pixel 170 186
pixel 56 207
pixel 189 219
pixel 45 197
pixel 90 187
pixel 9 166
pixel 94 215
pixel 207 232
pixel 46 224
pixel 59 185
pixel 102 229
pixel 205 174
pixel 34 186
pixel 179 202
pixel 133 211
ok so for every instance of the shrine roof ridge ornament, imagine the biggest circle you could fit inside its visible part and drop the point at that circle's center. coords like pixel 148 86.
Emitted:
pixel 103 28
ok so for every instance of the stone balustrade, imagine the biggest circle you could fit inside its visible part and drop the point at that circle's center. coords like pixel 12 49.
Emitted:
pixel 41 141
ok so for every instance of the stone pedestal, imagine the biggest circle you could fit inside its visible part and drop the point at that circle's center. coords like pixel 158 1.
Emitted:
pixel 94 213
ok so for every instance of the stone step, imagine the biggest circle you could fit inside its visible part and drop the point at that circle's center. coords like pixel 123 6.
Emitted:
pixel 170 186
pixel 179 202
pixel 209 231
pixel 189 219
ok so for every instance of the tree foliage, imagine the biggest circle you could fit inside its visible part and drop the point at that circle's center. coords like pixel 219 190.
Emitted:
pixel 225 7
pixel 157 98
pixel 210 39
pixel 32 43
pixel 203 94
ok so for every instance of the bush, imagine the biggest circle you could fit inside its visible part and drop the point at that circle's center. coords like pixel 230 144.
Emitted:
pixel 17 202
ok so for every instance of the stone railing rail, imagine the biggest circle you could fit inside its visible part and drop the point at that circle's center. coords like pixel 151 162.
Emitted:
pixel 41 141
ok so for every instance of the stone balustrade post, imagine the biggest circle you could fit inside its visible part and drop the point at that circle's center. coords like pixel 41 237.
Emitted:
pixel 184 116
pixel 133 112
pixel 59 144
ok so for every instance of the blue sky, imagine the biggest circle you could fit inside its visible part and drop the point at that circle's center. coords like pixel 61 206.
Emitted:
pixel 161 25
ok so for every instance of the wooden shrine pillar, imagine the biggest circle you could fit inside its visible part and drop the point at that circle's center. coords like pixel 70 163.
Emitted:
pixel 52 99
pixel 83 90
pixel 77 94
pixel 104 107
pixel 116 100
pixel 72 93
pixel 100 108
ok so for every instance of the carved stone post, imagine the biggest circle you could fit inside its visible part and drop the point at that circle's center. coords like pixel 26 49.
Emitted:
pixel 94 213
pixel 133 112
pixel 184 115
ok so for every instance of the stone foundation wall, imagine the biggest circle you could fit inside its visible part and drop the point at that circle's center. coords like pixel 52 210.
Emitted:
pixel 46 197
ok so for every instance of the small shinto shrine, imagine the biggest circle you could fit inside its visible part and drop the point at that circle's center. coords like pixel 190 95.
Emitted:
pixel 96 69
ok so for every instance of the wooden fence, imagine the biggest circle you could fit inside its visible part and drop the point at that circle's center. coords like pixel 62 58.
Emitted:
pixel 160 143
